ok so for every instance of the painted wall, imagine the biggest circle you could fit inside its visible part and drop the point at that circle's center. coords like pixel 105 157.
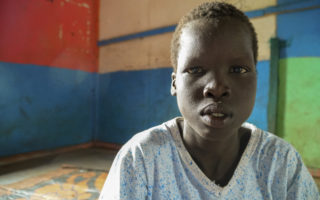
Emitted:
pixel 57 91
pixel 299 118
pixel 299 105
pixel 59 33
pixel 48 54
pixel 134 74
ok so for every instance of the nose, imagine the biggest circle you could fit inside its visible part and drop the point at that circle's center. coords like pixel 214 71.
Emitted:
pixel 216 89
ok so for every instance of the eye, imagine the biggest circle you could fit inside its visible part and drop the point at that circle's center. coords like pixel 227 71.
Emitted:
pixel 239 69
pixel 195 70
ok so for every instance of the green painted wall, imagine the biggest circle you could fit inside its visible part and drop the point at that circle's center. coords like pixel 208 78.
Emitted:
pixel 299 106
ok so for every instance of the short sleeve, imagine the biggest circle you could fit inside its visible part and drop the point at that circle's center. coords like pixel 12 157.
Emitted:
pixel 127 178
pixel 301 185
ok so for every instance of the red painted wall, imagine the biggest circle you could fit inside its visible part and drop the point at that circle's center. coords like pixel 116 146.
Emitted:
pixel 60 33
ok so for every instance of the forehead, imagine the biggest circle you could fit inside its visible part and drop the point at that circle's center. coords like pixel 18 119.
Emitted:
pixel 224 38
pixel 214 29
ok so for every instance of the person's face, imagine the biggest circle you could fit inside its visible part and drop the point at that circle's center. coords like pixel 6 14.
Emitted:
pixel 215 80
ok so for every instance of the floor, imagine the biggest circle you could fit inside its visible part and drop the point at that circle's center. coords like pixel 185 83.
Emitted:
pixel 74 168
pixel 79 174
pixel 93 159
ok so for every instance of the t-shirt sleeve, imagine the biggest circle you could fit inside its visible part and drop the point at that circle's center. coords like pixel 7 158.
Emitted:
pixel 301 184
pixel 127 178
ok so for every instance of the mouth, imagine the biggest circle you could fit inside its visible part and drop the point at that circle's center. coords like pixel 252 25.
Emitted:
pixel 215 109
pixel 215 115
pixel 218 114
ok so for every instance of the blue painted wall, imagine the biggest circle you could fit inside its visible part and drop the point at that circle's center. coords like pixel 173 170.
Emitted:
pixel 44 108
pixel 133 101
pixel 300 31
pixel 259 115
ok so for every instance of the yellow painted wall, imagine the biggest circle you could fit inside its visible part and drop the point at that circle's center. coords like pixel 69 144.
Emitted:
pixel 122 17
pixel 119 18
pixel 145 53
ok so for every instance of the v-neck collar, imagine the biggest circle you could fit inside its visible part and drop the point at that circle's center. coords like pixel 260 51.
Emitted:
pixel 197 172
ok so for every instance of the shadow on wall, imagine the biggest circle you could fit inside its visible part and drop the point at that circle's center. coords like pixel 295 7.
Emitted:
pixel 282 93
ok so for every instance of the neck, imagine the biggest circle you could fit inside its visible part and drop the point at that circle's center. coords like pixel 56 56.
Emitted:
pixel 216 158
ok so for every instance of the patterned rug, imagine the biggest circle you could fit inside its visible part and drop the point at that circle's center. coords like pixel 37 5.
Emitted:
pixel 67 182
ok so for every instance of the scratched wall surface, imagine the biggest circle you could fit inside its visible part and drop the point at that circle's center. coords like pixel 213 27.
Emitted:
pixel 59 33
pixel 48 54
pixel 299 104
pixel 134 80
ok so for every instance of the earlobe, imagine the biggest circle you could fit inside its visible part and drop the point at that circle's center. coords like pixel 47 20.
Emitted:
pixel 173 89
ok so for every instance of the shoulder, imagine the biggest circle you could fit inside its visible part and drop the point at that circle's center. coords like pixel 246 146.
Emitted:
pixel 278 163
pixel 155 136
pixel 273 152
pixel 269 144
pixel 150 140
pixel 277 156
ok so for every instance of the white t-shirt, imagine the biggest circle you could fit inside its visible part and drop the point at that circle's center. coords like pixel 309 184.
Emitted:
pixel 155 164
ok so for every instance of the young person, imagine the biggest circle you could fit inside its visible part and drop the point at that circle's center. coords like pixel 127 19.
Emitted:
pixel 210 152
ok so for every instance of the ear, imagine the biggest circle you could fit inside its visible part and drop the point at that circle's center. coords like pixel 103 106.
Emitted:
pixel 173 89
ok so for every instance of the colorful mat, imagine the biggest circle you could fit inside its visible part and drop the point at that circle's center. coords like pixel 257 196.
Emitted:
pixel 64 183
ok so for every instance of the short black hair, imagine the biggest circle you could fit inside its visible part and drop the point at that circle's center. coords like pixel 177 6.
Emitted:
pixel 215 11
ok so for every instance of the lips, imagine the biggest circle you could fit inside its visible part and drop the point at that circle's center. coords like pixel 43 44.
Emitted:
pixel 215 115
pixel 215 110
